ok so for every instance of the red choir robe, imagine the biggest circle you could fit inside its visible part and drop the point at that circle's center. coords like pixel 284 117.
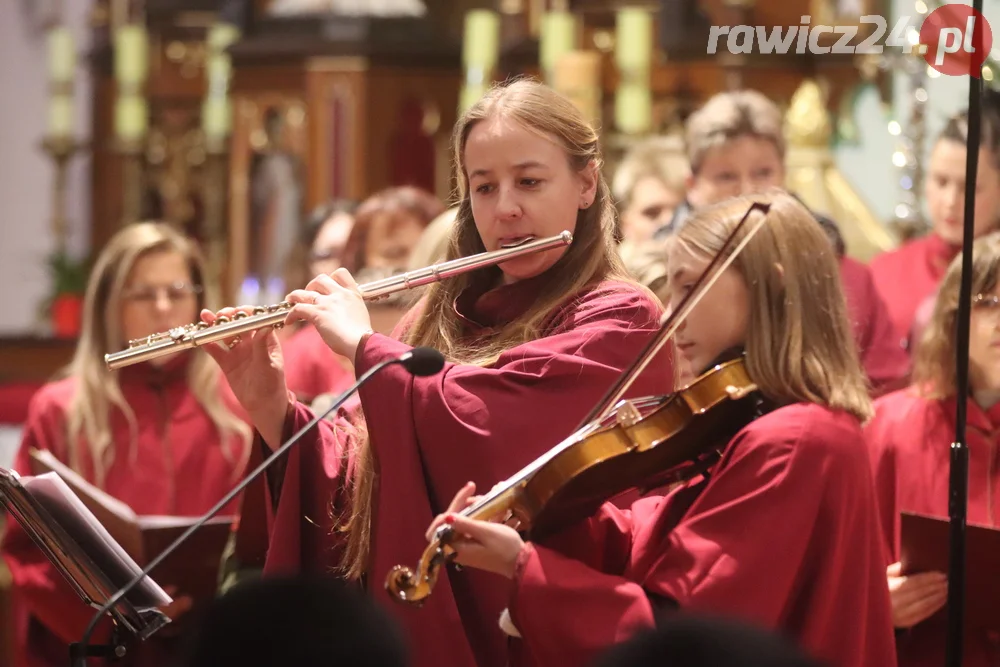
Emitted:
pixel 784 534
pixel 885 361
pixel 311 367
pixel 179 467
pixel 432 435
pixel 908 275
pixel 910 447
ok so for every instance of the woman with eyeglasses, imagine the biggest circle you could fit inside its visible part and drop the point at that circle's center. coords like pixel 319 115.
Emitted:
pixel 909 442
pixel 164 436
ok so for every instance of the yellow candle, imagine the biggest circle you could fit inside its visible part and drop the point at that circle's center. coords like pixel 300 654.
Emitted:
pixel 216 117
pixel 577 75
pixel 470 94
pixel 60 116
pixel 558 36
pixel 131 54
pixel 216 110
pixel 62 54
pixel 221 36
pixel 217 72
pixel 131 120
pixel 633 108
pixel 481 39
pixel 634 38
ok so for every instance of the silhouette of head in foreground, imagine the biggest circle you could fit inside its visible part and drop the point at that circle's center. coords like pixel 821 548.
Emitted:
pixel 691 641
pixel 305 621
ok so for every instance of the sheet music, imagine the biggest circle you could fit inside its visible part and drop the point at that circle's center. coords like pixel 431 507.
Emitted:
pixel 80 524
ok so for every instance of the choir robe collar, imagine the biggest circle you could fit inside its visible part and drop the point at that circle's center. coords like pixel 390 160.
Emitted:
pixel 145 374
pixel 985 421
pixel 484 307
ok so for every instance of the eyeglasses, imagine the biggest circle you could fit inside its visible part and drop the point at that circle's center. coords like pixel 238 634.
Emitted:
pixel 151 293
pixel 987 303
pixel 325 255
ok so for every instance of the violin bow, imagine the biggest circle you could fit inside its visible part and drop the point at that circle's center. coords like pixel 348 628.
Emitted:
pixel 493 501
pixel 668 324
pixel 673 319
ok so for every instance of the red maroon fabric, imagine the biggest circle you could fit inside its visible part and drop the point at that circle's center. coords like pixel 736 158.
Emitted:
pixel 910 447
pixel 431 435
pixel 311 367
pixel 785 534
pixel 908 275
pixel 885 360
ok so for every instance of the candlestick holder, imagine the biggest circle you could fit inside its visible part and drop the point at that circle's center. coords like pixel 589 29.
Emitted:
pixel 133 162
pixel 61 149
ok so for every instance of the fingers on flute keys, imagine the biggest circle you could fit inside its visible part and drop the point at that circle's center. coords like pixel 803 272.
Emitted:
pixel 226 315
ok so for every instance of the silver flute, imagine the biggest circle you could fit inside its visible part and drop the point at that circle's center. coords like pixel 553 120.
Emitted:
pixel 202 333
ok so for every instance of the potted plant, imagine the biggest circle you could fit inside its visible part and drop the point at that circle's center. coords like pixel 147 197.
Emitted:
pixel 69 282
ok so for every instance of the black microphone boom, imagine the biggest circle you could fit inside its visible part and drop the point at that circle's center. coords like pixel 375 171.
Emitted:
pixel 420 361
pixel 958 482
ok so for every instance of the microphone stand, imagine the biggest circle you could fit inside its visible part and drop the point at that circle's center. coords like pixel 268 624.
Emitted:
pixel 958 483
pixel 79 651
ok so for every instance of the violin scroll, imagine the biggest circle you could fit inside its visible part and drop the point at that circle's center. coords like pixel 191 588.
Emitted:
pixel 413 587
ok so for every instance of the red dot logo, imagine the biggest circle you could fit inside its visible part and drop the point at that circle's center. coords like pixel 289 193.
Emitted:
pixel 955 39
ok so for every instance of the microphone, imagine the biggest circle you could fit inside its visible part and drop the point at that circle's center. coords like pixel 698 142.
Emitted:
pixel 419 362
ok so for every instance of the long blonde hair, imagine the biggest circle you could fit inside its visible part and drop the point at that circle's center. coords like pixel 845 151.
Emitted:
pixel 591 258
pixel 934 372
pixel 799 346
pixel 98 390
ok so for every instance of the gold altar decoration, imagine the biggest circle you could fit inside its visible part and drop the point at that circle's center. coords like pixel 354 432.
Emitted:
pixel 813 175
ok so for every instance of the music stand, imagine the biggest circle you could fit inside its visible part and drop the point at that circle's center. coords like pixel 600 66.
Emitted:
pixel 93 585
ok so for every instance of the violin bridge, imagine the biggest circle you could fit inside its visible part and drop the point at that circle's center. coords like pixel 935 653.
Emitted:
pixel 627 415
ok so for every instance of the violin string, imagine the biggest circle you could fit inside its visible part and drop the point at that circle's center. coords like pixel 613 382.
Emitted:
pixel 672 320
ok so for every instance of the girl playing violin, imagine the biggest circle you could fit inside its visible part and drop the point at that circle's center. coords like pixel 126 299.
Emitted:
pixel 909 442
pixel 530 345
pixel 782 532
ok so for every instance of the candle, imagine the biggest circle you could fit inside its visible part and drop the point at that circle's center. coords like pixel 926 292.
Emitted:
pixel 62 54
pixel 633 108
pixel 216 117
pixel 221 36
pixel 633 38
pixel 131 54
pixel 60 116
pixel 131 120
pixel 481 39
pixel 470 94
pixel 216 110
pixel 577 75
pixel 558 36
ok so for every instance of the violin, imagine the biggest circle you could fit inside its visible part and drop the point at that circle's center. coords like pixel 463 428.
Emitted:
pixel 621 445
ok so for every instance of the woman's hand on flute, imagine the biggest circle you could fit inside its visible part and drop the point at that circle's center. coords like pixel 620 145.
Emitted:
pixel 255 370
pixel 334 305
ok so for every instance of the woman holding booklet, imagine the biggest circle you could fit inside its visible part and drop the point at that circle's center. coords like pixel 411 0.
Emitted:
pixel 164 437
